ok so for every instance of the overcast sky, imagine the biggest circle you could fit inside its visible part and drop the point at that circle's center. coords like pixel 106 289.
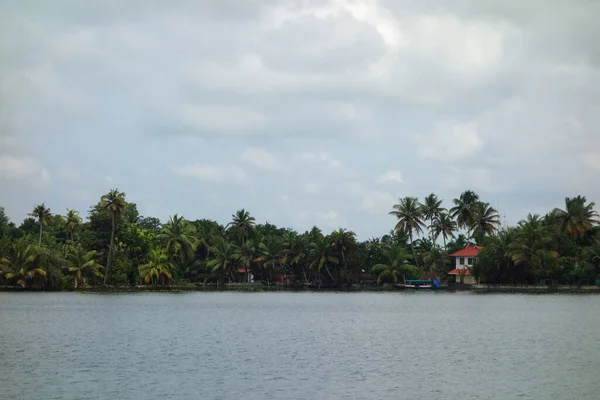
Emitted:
pixel 303 112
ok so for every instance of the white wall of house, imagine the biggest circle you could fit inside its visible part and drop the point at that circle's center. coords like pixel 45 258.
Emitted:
pixel 464 262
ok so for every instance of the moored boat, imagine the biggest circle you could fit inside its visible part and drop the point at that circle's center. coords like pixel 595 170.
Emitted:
pixel 418 284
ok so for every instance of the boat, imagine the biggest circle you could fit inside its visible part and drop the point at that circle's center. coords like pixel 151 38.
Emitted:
pixel 418 284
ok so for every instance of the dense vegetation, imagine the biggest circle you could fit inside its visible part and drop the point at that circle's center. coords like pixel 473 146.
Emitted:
pixel 117 246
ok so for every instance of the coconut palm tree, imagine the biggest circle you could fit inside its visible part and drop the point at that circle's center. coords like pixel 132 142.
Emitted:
pixel 72 222
pixel 463 210
pixel 445 226
pixel 270 251
pixel 342 240
pixel 396 264
pixel 485 219
pixel 21 264
pixel 158 268
pixel 180 239
pixel 321 255
pixel 578 217
pixel 224 257
pixel 432 208
pixel 42 215
pixel 409 213
pixel 296 249
pixel 242 224
pixel 82 264
pixel 114 202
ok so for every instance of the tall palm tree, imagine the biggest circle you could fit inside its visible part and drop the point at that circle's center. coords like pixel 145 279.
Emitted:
pixel 179 235
pixel 342 240
pixel 409 213
pixel 295 252
pixel 578 217
pixel 72 222
pixel 43 215
pixel 431 209
pixel 21 264
pixel 224 257
pixel 445 226
pixel 158 268
pixel 82 264
pixel 485 219
pixel 463 210
pixel 114 202
pixel 242 224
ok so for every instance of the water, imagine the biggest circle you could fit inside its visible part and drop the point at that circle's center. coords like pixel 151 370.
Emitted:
pixel 299 346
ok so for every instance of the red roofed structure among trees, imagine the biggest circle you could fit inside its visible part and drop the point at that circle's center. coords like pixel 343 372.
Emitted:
pixel 464 259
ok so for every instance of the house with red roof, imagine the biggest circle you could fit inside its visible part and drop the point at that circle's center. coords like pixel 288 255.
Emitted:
pixel 463 260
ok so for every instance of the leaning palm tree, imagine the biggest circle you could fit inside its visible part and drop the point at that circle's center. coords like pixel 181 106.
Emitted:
pixel 321 255
pixel 445 226
pixel 409 213
pixel 158 268
pixel 114 202
pixel 485 219
pixel 432 208
pixel 82 264
pixel 42 214
pixel 578 217
pixel 21 264
pixel 72 222
pixel 242 224
pixel 463 210
pixel 342 241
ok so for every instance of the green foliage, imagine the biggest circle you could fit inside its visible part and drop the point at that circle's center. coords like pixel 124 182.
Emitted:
pixel 128 249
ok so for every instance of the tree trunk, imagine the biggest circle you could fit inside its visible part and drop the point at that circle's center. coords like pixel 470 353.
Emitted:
pixel 110 250
pixel 40 240
pixel 345 267
pixel 413 250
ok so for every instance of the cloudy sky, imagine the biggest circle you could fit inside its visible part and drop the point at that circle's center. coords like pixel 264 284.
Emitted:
pixel 303 112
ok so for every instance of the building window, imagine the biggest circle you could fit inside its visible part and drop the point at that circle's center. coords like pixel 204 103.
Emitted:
pixel 461 261
pixel 471 261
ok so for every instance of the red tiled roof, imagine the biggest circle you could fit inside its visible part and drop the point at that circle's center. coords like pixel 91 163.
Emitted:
pixel 468 251
pixel 243 270
pixel 458 271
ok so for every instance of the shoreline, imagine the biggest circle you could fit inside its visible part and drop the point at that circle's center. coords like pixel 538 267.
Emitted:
pixel 476 289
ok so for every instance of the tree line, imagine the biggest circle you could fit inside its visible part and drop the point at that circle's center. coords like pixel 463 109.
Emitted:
pixel 118 246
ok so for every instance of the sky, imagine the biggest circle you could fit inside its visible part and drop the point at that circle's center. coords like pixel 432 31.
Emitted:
pixel 302 112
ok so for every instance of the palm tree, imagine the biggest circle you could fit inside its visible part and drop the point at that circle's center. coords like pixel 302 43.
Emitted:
pixel 114 202
pixel 463 210
pixel 409 213
pixel 270 253
pixel 72 222
pixel 432 208
pixel 295 252
pixel 225 256
pixel 158 268
pixel 395 265
pixel 577 218
pixel 342 240
pixel 42 214
pixel 321 255
pixel 445 226
pixel 179 235
pixel 21 265
pixel 242 224
pixel 485 219
pixel 82 264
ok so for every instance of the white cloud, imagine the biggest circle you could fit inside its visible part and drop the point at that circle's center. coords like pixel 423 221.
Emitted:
pixel 23 168
pixel 223 118
pixel 322 158
pixel 451 142
pixel 212 172
pixel 391 176
pixel 377 202
pixel 260 158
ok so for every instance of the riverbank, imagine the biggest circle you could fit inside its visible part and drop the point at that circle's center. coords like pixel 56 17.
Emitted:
pixel 480 288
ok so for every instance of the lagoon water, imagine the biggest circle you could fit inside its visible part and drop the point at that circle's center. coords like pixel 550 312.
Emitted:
pixel 299 346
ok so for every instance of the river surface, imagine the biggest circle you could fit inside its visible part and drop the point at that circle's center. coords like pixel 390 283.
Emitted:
pixel 299 346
